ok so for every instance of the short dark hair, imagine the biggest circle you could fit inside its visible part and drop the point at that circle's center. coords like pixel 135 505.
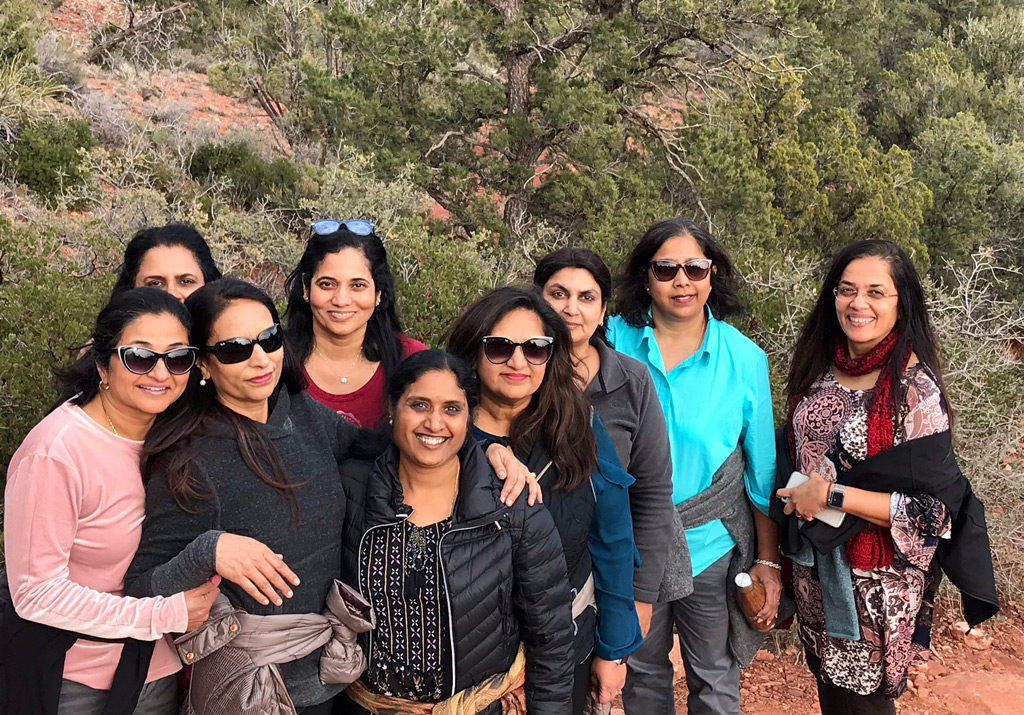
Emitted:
pixel 583 258
pixel 814 349
pixel 381 343
pixel 559 413
pixel 633 302
pixel 172 234
pixel 79 381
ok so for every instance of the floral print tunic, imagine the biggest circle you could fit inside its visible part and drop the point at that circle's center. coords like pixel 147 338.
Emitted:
pixel 894 603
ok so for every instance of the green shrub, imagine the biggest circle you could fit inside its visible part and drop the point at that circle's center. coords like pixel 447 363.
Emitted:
pixel 48 157
pixel 227 78
pixel 18 31
pixel 51 295
pixel 252 179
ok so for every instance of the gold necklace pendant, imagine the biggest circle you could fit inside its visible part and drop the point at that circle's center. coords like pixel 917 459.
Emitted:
pixel 344 380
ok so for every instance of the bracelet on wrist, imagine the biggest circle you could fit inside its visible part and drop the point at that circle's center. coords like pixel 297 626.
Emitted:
pixel 766 562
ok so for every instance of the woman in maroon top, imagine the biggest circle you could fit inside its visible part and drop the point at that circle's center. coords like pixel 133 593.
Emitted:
pixel 342 322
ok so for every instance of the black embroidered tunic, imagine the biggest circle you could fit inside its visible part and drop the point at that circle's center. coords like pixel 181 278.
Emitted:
pixel 410 655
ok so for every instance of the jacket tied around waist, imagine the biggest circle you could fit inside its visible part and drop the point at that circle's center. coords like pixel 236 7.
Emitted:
pixel 235 654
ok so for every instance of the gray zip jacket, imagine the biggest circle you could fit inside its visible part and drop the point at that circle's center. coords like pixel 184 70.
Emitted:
pixel 235 655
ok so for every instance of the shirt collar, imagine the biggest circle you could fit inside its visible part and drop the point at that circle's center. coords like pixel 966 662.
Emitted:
pixel 705 349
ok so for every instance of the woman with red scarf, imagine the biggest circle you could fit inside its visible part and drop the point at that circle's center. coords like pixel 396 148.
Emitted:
pixel 869 425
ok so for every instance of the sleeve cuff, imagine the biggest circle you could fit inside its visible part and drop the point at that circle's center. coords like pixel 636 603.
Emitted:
pixel 179 613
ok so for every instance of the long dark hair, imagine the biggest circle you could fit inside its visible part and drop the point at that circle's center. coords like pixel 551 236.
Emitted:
pixel 80 381
pixel 558 415
pixel 814 349
pixel 416 365
pixel 633 302
pixel 380 343
pixel 173 234
pixel 170 446
pixel 583 258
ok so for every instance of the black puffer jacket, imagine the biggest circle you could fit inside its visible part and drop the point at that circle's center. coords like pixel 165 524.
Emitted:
pixel 506 579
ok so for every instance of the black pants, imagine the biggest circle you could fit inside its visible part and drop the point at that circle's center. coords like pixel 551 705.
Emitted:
pixel 834 700
pixel 581 685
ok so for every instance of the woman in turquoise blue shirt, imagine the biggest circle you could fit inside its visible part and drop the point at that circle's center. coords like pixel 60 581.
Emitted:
pixel 712 383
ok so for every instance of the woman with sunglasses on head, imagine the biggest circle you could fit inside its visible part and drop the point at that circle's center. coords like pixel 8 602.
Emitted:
pixel 532 400
pixel 173 258
pixel 869 425
pixel 578 284
pixel 247 452
pixel 712 382
pixel 73 512
pixel 342 322
pixel 458 580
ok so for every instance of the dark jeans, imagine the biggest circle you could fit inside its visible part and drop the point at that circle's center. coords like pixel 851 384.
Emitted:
pixel 834 700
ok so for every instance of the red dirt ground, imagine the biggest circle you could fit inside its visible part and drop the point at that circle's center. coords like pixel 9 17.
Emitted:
pixel 966 675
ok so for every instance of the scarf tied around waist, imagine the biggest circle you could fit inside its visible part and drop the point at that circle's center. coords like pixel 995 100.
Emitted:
pixel 506 688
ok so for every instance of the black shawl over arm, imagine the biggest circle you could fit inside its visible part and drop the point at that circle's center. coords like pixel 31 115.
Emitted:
pixel 926 465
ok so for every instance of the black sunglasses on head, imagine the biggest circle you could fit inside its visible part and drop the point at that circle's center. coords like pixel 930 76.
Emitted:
pixel 141 361
pixel 499 350
pixel 235 350
pixel 696 269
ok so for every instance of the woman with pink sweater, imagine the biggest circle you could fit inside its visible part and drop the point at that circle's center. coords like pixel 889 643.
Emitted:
pixel 74 504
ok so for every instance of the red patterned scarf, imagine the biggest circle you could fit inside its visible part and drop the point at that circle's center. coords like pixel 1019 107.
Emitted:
pixel 872 547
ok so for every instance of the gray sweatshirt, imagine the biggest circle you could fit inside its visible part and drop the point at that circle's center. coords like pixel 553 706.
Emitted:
pixel 178 547
pixel 623 394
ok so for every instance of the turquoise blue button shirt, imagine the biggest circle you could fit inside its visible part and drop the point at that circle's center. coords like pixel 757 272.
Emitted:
pixel 714 400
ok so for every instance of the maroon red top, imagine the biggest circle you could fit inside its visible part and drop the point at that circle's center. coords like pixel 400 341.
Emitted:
pixel 363 407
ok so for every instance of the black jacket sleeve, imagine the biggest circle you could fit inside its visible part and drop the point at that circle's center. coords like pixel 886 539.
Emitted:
pixel 543 608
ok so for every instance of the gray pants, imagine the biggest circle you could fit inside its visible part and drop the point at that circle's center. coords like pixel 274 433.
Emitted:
pixel 157 698
pixel 712 674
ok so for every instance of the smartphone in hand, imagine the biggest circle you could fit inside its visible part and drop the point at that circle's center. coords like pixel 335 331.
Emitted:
pixel 829 515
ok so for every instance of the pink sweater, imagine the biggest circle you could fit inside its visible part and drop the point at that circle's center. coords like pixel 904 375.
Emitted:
pixel 72 522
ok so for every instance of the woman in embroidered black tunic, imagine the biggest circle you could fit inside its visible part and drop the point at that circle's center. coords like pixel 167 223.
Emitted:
pixel 457 579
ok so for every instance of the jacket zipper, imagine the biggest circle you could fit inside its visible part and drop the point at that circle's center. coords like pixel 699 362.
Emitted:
pixel 447 593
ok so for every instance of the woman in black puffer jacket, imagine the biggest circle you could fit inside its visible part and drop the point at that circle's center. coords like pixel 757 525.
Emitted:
pixel 458 580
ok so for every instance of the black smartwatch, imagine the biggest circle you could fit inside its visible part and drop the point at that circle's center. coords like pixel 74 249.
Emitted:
pixel 836 496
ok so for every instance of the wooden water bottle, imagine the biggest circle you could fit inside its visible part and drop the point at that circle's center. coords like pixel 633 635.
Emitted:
pixel 751 597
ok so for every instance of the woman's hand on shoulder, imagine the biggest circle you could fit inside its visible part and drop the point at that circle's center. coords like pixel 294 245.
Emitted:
pixel 514 473
pixel 251 565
